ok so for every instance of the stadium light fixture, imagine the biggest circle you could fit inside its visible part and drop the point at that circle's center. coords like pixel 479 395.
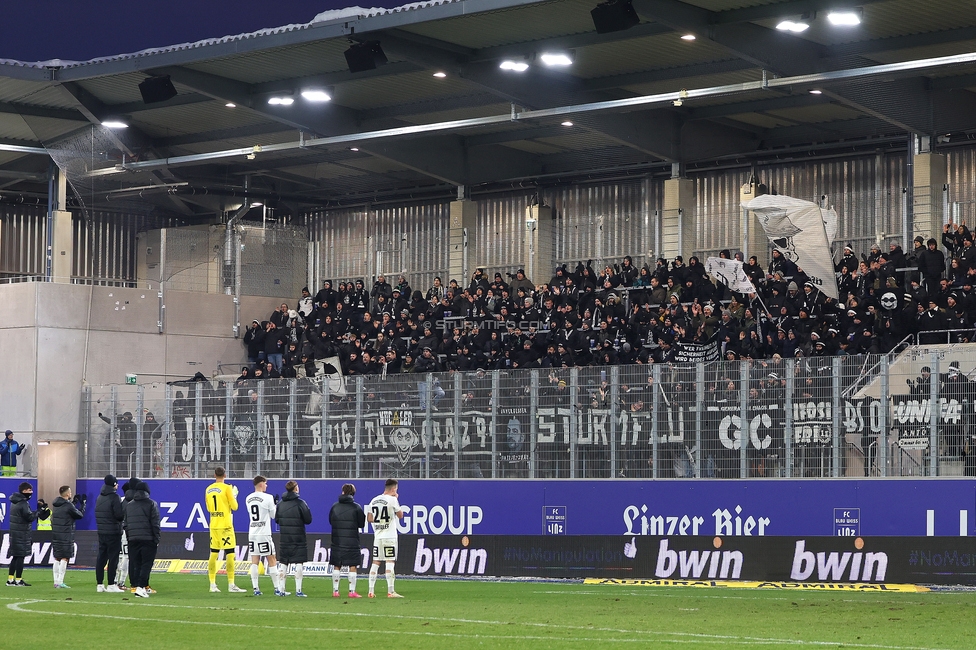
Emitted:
pixel 316 95
pixel 796 27
pixel 815 91
pixel 689 37
pixel 281 100
pixel 844 17
pixel 513 66
pixel 114 123
pixel 440 75
pixel 256 204
pixel 230 105
pixel 353 148
pixel 556 59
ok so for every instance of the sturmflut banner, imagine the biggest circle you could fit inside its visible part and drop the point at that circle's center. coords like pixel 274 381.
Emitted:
pixel 396 440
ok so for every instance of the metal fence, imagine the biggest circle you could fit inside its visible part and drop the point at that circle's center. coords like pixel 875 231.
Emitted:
pixel 911 415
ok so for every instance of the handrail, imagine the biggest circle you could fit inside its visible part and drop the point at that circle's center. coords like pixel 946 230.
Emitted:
pixel 93 281
pixel 871 372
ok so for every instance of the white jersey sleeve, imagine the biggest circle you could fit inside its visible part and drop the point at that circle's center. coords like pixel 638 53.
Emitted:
pixel 384 509
pixel 260 512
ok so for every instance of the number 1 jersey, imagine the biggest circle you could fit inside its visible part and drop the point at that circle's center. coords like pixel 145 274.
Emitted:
pixel 221 504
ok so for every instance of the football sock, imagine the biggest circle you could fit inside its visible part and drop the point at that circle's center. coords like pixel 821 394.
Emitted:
pixel 352 580
pixel 335 578
pixel 299 569
pixel 55 568
pixel 389 581
pixel 212 567
pixel 123 569
pixel 254 575
pixel 273 574
pixel 373 571
pixel 230 568
pixel 64 569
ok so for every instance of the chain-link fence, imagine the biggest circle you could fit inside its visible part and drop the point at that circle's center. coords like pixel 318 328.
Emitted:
pixel 912 415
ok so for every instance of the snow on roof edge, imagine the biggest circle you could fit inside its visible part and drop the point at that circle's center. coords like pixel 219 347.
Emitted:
pixel 333 15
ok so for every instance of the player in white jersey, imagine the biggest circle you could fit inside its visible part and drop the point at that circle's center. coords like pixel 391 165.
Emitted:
pixel 383 512
pixel 260 511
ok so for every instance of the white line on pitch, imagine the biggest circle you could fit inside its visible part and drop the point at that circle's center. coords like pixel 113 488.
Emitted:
pixel 687 637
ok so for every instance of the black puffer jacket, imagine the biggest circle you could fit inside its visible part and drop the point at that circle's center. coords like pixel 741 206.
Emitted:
pixel 141 514
pixel 346 518
pixel 63 517
pixel 108 512
pixel 292 515
pixel 21 518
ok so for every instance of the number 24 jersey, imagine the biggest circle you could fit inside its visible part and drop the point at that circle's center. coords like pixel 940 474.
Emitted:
pixel 384 509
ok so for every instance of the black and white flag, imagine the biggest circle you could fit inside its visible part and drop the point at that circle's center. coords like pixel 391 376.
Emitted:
pixel 796 228
pixel 730 273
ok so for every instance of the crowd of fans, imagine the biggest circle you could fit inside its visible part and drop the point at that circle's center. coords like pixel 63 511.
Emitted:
pixel 624 314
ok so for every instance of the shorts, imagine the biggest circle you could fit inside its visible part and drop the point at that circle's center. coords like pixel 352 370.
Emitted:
pixel 223 539
pixel 385 549
pixel 124 548
pixel 261 545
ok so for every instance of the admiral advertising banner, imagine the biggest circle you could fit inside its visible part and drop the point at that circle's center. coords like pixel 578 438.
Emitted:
pixel 855 563
pixel 786 507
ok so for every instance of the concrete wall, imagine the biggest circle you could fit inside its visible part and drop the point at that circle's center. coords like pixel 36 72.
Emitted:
pixel 57 338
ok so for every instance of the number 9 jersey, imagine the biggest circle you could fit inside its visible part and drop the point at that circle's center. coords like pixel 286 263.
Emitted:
pixel 260 512
pixel 384 509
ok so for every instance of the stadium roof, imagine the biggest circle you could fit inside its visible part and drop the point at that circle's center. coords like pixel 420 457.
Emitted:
pixel 375 139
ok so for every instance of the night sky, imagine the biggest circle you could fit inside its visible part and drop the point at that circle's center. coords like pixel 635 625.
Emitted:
pixel 39 30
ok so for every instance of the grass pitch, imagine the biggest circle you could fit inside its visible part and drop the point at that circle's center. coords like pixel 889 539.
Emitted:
pixel 453 614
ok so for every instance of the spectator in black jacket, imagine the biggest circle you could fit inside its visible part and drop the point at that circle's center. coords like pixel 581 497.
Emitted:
pixel 931 266
pixel 142 534
pixel 292 515
pixel 67 510
pixel 21 518
pixel 346 518
pixel 108 520
pixel 274 344
pixel 254 340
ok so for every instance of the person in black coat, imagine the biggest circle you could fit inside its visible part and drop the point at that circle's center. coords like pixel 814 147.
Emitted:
pixel 292 515
pixel 142 534
pixel 108 520
pixel 21 518
pixel 931 266
pixel 67 511
pixel 346 518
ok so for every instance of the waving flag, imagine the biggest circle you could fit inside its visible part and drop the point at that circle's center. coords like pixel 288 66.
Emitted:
pixel 796 228
pixel 730 273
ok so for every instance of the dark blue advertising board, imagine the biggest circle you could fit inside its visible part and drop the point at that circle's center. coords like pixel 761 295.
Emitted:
pixel 798 508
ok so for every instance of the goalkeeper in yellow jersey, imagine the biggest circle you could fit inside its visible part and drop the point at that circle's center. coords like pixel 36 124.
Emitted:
pixel 221 501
